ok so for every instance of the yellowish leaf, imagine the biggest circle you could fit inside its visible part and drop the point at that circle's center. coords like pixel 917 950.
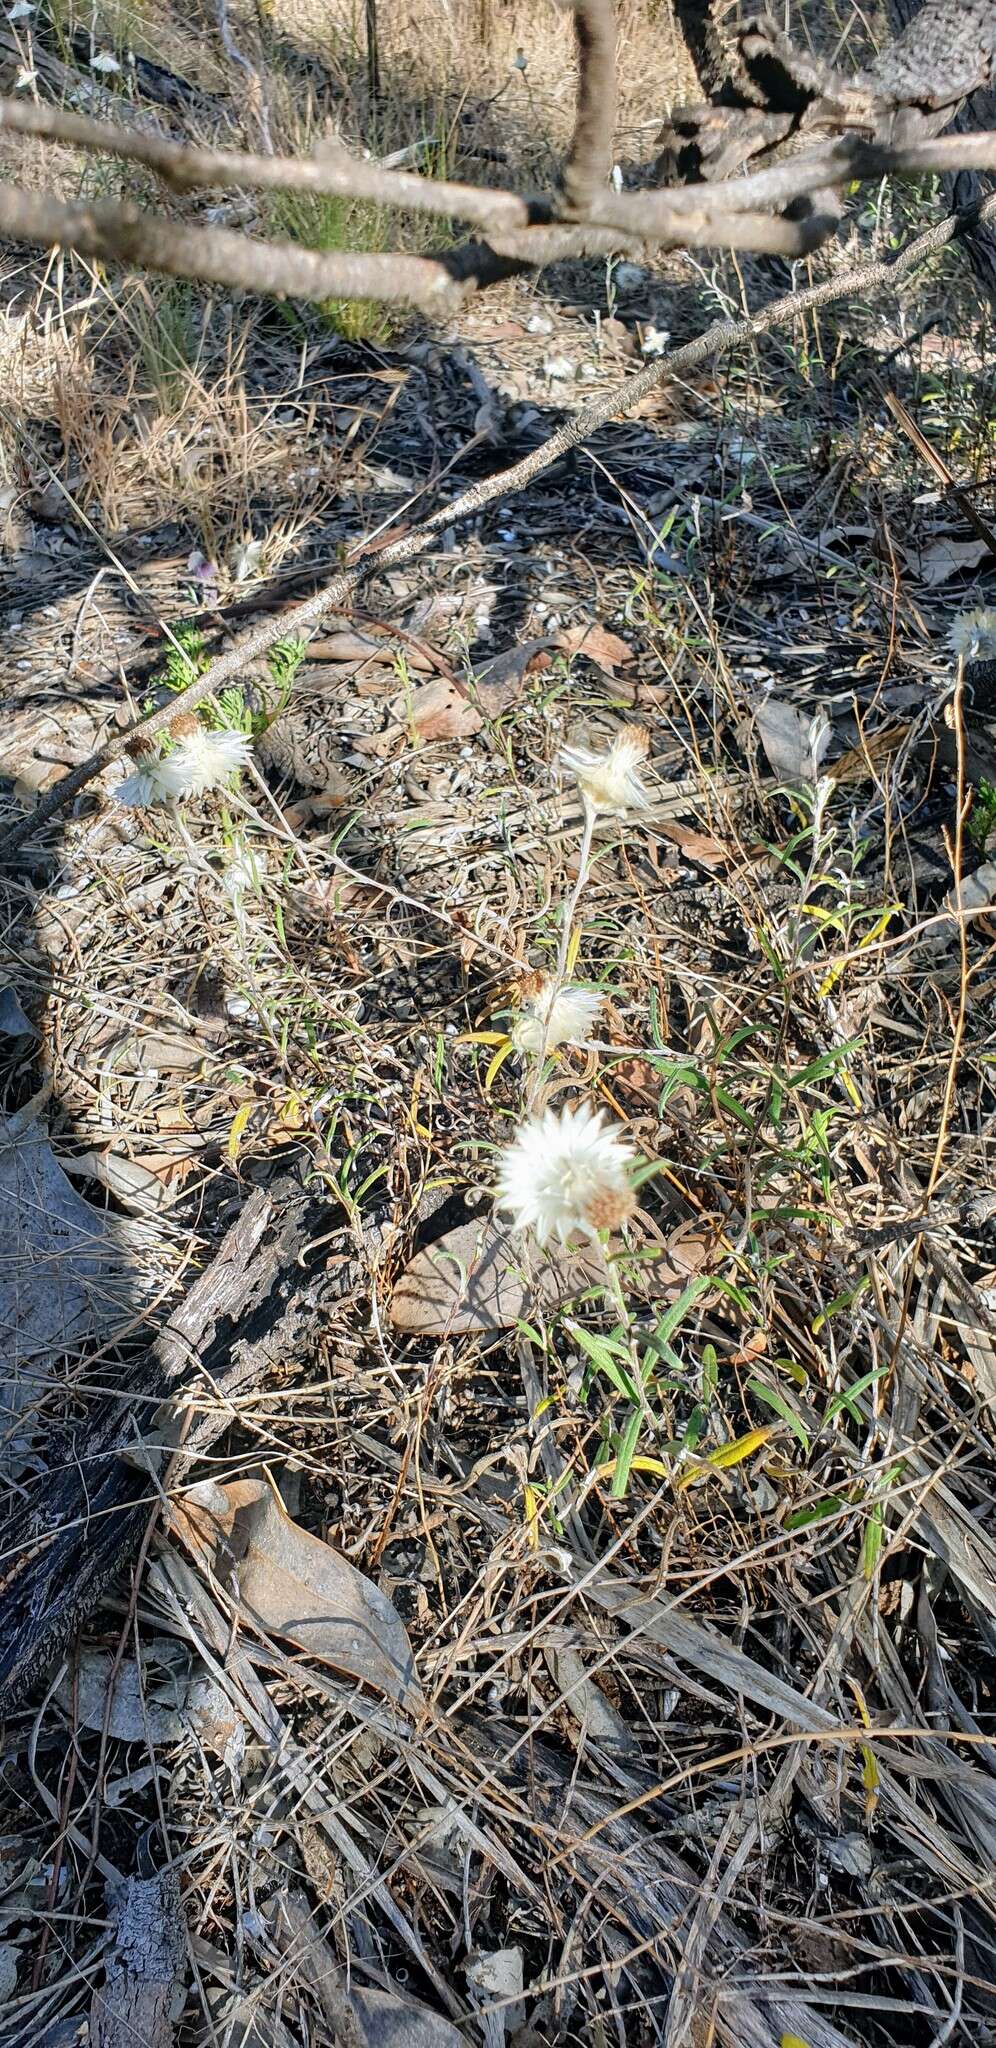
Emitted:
pixel 726 1455
pixel 481 1038
pixel 652 1465
pixel 495 1065
pixel 239 1122
pixel 741 1448
pixel 532 1516
pixel 291 1111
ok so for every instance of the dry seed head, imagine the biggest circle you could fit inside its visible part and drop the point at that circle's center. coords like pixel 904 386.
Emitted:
pixel 185 723
pixel 530 985
pixel 610 1208
pixel 140 746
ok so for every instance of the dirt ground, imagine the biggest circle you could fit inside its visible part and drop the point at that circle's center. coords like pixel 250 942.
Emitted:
pixel 412 1635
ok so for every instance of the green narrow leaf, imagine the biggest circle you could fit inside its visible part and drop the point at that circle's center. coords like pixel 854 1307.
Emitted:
pixel 736 1110
pixel 773 1399
pixel 598 1352
pixel 871 1548
pixel 710 1373
pixel 624 1456
pixel 818 1069
pixel 848 1398
pixel 839 1301
pixel 673 1317
pixel 693 1428
pixel 803 1518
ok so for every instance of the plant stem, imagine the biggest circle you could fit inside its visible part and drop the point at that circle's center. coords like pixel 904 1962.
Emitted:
pixel 560 971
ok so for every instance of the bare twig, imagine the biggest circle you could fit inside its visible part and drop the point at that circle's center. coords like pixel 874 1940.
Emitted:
pixel 589 159
pixel 373 50
pixel 721 336
pixel 188 166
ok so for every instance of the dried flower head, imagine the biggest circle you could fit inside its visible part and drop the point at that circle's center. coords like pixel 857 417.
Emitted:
pixel 142 747
pixel 185 722
pixel 203 761
pixel 552 1016
pixel 973 635
pixel 566 1173
pixel 610 783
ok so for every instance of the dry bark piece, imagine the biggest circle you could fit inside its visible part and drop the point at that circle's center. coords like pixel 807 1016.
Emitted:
pixel 977 890
pixel 290 1583
pixel 66 1276
pixel 947 558
pixel 236 1320
pixel 358 2018
pixel 498 683
pixel 143 1992
pixel 699 846
pixel 133 1705
pixel 439 710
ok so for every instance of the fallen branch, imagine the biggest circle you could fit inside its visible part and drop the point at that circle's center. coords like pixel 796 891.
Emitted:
pixel 187 166
pixel 617 403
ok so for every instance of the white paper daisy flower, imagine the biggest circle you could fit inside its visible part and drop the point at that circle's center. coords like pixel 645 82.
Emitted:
pixel 565 1174
pixel 610 782
pixel 141 788
pixel 973 635
pixel 202 761
pixel 550 1016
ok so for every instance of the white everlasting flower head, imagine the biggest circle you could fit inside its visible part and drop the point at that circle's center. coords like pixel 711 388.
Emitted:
pixel 610 783
pixel 141 788
pixel 202 761
pixel 565 1174
pixel 973 635
pixel 550 1016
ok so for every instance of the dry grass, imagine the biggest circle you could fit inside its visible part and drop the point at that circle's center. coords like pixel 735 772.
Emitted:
pixel 711 1746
